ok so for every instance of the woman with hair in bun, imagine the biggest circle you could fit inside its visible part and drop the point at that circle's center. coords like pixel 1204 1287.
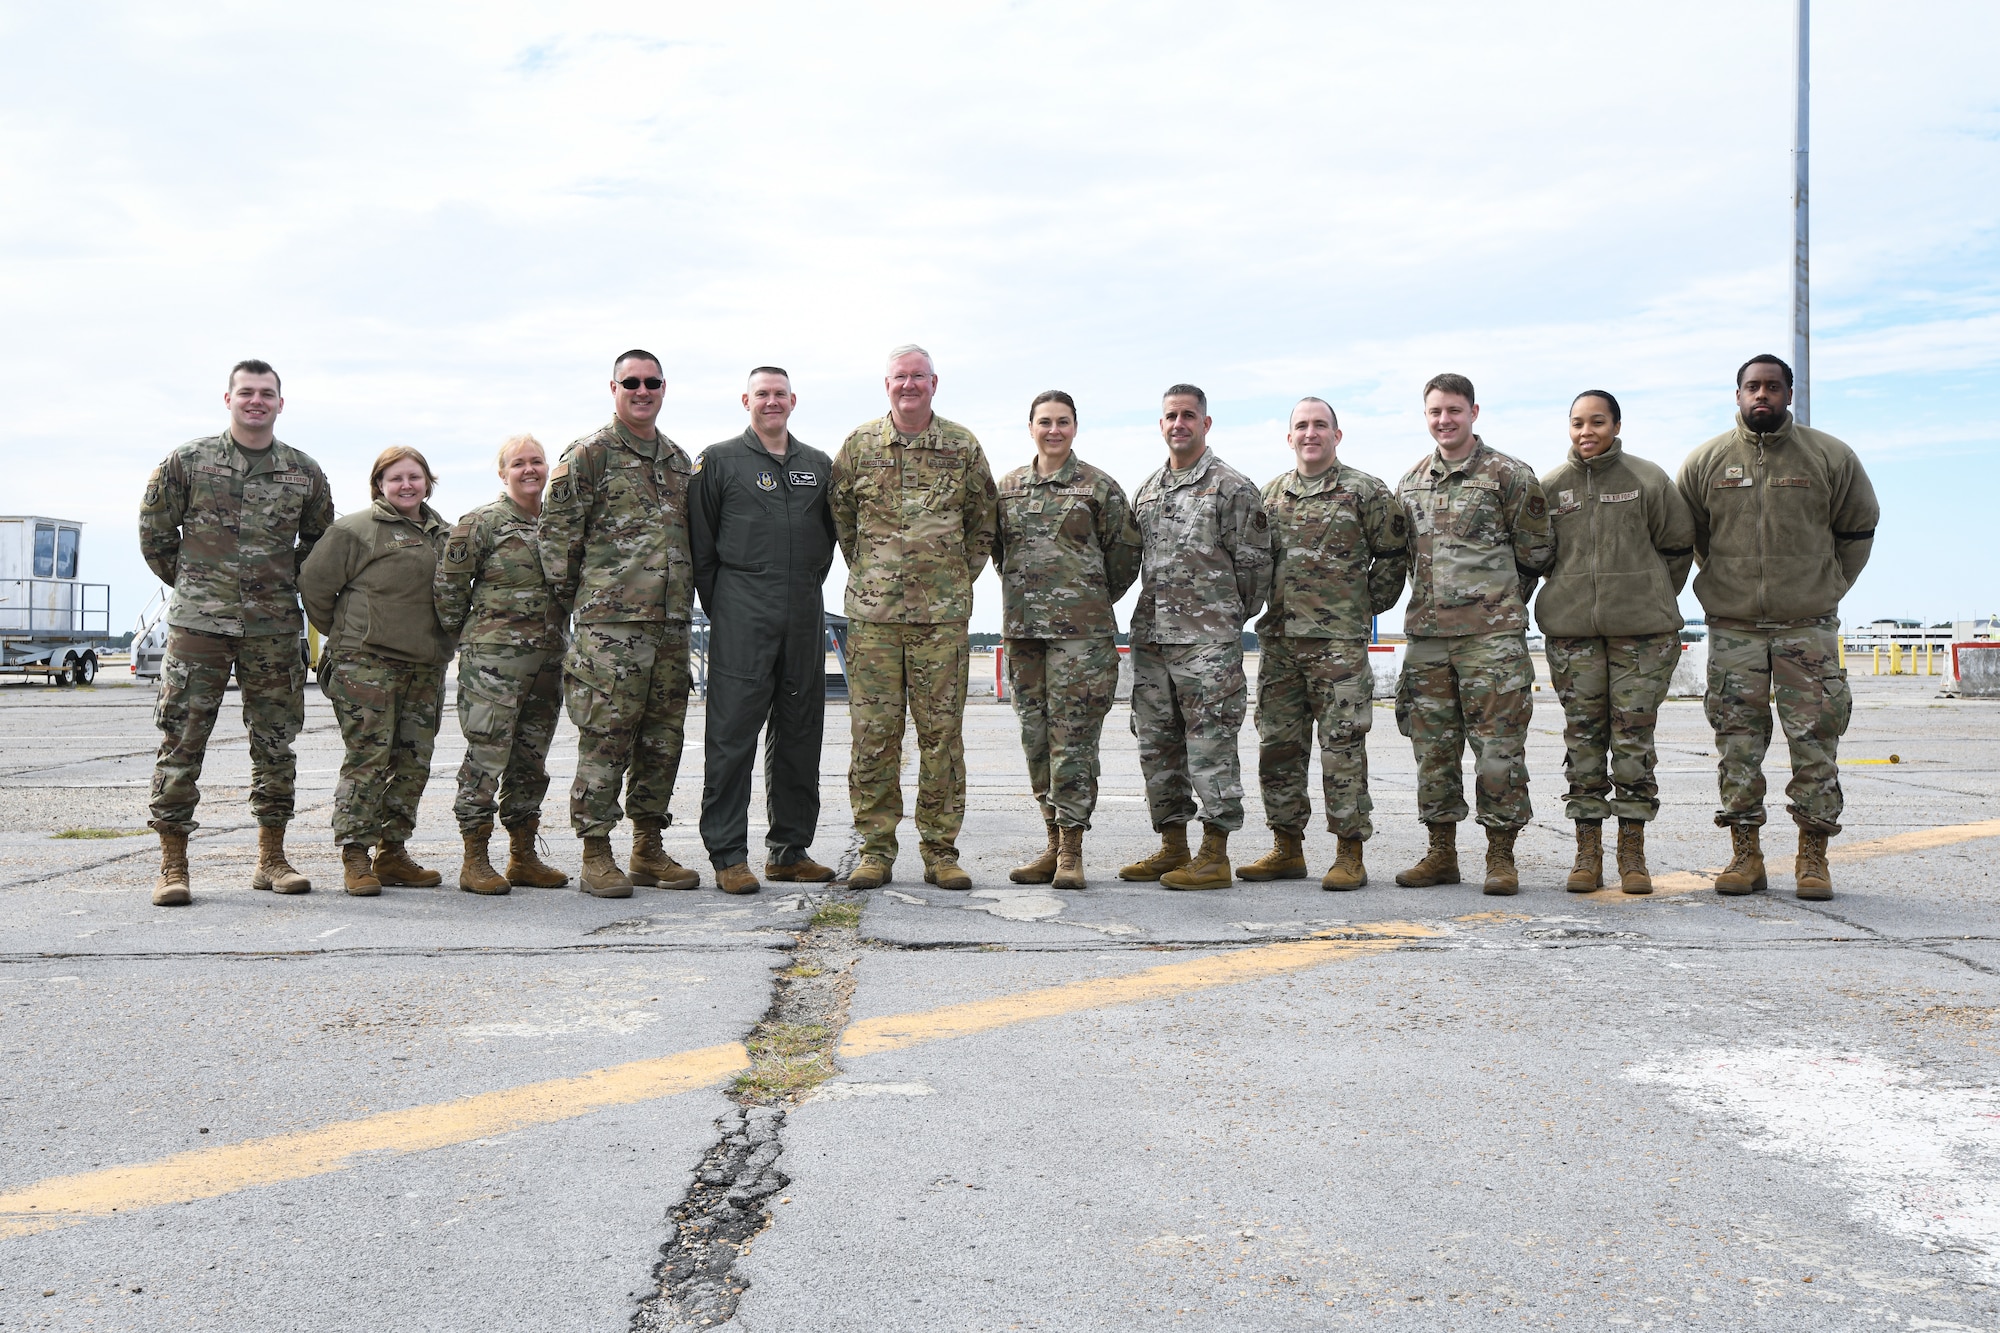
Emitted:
pixel 367 589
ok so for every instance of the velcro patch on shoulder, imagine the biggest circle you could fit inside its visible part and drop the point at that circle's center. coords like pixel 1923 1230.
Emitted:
pixel 1607 498
pixel 1537 507
pixel 562 470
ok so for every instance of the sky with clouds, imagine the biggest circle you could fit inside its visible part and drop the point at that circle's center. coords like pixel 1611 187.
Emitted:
pixel 440 221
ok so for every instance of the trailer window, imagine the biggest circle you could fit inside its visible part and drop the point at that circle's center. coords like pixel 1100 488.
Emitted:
pixel 66 553
pixel 45 550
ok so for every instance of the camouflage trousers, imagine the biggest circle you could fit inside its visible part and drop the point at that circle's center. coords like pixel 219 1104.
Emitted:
pixel 1187 712
pixel 1062 689
pixel 389 713
pixel 1469 685
pixel 1611 692
pixel 1299 682
pixel 193 676
pixel 626 684
pixel 895 672
pixel 508 702
pixel 1799 670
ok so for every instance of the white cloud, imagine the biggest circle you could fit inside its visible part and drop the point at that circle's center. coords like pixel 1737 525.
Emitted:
pixel 441 220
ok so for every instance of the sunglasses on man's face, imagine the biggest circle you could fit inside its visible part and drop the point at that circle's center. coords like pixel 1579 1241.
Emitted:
pixel 631 383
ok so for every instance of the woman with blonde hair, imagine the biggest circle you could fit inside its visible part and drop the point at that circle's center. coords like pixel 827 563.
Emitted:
pixel 367 589
pixel 491 594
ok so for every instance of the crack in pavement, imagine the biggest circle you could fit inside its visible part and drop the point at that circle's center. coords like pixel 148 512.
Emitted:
pixel 727 1206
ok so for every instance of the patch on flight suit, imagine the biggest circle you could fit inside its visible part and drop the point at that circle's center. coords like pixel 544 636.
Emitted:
pixel 766 481
pixel 803 478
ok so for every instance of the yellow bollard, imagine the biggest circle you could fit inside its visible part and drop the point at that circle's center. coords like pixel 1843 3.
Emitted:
pixel 1840 652
pixel 1895 658
pixel 1875 666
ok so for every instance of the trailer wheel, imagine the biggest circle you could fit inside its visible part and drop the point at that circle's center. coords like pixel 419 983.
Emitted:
pixel 86 669
pixel 60 675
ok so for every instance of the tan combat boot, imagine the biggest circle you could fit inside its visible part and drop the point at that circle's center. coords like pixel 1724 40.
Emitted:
pixel 1815 880
pixel 476 873
pixel 172 888
pixel 1210 867
pixel 1503 880
pixel 1588 873
pixel 273 871
pixel 1633 877
pixel 1347 871
pixel 601 877
pixel 1745 871
pixel 525 866
pixel 1043 868
pixel 805 870
pixel 1173 854
pixel 1069 857
pixel 872 873
pixel 1285 860
pixel 357 873
pixel 651 866
pixel 1440 863
pixel 737 879
pixel 393 866
pixel 941 868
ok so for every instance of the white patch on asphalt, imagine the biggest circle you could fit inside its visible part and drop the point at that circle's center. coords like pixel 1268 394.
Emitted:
pixel 1922 1156
pixel 841 1092
pixel 1017 904
pixel 1115 929
pixel 791 902
pixel 909 898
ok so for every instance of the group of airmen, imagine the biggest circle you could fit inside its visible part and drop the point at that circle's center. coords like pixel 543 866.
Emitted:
pixel 576 589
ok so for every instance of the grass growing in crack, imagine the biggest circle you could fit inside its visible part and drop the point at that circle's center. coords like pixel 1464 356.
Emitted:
pixel 805 970
pixel 102 833
pixel 845 915
pixel 786 1059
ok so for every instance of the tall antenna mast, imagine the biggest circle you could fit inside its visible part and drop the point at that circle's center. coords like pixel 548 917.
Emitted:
pixel 1801 249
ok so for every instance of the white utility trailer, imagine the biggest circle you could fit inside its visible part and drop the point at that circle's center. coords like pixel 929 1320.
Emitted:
pixel 52 624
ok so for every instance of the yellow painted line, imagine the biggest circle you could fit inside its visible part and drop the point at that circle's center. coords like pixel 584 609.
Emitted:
pixel 205 1173
pixel 1922 840
pixel 1899 844
pixel 873 1036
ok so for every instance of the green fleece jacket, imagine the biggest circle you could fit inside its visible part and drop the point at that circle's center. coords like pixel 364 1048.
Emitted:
pixel 1624 544
pixel 367 585
pixel 1783 524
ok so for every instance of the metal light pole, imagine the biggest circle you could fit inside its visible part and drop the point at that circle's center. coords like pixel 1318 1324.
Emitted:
pixel 1801 250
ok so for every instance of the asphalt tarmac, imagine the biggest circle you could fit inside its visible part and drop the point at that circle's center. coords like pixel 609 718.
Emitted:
pixel 1266 1107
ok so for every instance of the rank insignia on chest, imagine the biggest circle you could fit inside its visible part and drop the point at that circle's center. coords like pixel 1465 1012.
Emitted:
pixel 1566 498
pixel 766 481
pixel 1733 473
pixel 799 478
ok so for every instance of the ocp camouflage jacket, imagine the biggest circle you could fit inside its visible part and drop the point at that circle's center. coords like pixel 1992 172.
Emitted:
pixel 1783 524
pixel 1482 538
pixel 1340 549
pixel 1068 549
pixel 1624 543
pixel 614 530
pixel 489 585
pixel 915 521
pixel 1207 563
pixel 228 529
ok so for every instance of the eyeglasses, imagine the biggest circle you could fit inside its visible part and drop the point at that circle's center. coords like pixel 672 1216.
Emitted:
pixel 632 382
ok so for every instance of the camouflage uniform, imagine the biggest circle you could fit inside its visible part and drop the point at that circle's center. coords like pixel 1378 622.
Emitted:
pixel 228 528
pixel 1206 570
pixel 490 592
pixel 368 589
pixel 1482 539
pixel 614 545
pixel 1784 523
pixel 914 515
pixel 1610 611
pixel 1068 549
pixel 1341 551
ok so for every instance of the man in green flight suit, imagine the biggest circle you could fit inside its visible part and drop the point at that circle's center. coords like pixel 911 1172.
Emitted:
pixel 762 538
